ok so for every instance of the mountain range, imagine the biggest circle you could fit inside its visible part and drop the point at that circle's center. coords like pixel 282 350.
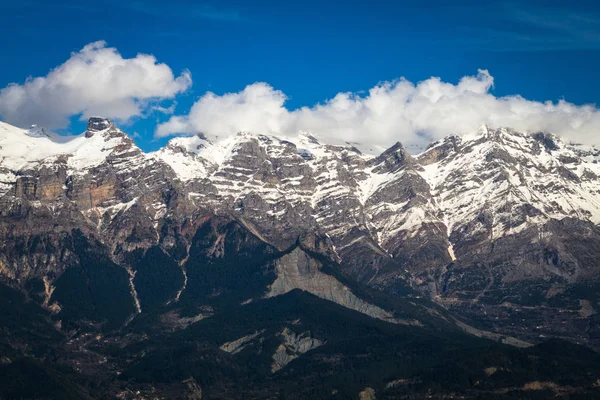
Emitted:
pixel 256 266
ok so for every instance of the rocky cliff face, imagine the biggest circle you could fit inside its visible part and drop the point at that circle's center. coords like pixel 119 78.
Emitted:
pixel 98 182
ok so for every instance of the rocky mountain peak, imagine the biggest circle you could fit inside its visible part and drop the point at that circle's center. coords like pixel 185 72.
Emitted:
pixel 439 150
pixel 310 138
pixel 549 141
pixel 393 159
pixel 484 130
pixel 38 131
pixel 97 124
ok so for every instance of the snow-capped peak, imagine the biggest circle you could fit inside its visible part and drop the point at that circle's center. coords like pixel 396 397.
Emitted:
pixel 25 149
pixel 98 124
pixel 514 178
pixel 39 131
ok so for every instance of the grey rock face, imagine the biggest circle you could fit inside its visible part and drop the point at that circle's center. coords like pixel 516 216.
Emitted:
pixel 292 347
pixel 194 390
pixel 96 124
pixel 367 394
pixel 297 270
pixel 393 159
pixel 238 345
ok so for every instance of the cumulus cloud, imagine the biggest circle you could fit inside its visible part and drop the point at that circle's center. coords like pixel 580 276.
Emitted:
pixel 414 114
pixel 96 80
pixel 257 108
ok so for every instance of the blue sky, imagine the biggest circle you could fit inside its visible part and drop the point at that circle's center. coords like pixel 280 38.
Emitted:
pixel 312 50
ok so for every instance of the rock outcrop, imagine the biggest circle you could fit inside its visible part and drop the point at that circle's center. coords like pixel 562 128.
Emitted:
pixel 292 347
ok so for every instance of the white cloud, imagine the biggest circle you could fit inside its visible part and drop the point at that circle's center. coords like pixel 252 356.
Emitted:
pixel 96 80
pixel 390 112
pixel 257 108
